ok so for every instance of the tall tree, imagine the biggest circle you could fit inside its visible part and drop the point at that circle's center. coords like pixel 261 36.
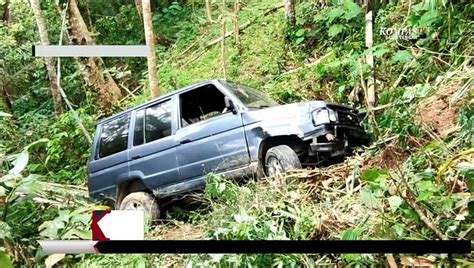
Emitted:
pixel 237 22
pixel 43 34
pixel 3 82
pixel 92 68
pixel 290 12
pixel 150 42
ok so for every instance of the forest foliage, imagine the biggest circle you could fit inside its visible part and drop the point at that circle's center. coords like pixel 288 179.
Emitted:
pixel 414 182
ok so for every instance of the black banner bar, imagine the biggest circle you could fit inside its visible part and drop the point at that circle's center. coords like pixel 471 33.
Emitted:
pixel 285 246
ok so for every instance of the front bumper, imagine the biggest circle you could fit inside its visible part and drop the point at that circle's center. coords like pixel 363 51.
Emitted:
pixel 334 139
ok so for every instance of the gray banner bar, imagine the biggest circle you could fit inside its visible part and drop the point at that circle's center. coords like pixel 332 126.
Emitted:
pixel 68 246
pixel 90 51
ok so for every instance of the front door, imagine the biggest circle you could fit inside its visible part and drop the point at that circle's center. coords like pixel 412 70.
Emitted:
pixel 211 138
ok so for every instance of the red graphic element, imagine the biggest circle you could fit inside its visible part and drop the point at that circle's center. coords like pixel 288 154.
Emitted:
pixel 95 247
pixel 97 233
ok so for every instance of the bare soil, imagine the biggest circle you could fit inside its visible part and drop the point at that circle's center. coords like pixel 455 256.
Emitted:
pixel 436 111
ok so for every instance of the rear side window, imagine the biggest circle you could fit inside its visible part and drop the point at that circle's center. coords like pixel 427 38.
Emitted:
pixel 114 136
pixel 153 123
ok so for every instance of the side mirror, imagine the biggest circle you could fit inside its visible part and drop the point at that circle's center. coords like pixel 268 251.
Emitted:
pixel 229 105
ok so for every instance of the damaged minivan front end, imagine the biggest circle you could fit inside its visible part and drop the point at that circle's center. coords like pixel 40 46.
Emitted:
pixel 337 128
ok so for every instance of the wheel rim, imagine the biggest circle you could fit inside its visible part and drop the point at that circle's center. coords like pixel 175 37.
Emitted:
pixel 133 205
pixel 274 166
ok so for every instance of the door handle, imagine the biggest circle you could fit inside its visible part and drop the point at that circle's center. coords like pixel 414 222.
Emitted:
pixel 184 141
pixel 136 156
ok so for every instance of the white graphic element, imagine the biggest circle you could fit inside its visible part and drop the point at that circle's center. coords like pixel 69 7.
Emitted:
pixel 123 225
pixel 90 51
pixel 68 246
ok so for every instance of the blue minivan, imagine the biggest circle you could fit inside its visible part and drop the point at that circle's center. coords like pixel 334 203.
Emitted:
pixel 166 146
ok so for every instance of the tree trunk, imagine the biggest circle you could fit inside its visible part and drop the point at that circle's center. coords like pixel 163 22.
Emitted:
pixel 150 42
pixel 138 5
pixel 290 12
pixel 208 11
pixel 370 58
pixel 237 22
pixel 3 83
pixel 6 12
pixel 43 33
pixel 223 61
pixel 92 68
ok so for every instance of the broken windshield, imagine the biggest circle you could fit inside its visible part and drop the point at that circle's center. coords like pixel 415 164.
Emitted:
pixel 251 97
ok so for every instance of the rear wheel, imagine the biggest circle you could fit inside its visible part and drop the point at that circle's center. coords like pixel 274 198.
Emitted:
pixel 280 159
pixel 141 201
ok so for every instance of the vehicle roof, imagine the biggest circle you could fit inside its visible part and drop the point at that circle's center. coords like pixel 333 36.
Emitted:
pixel 201 83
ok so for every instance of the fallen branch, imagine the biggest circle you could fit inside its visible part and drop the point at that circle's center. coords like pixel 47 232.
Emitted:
pixel 133 91
pixel 402 75
pixel 410 198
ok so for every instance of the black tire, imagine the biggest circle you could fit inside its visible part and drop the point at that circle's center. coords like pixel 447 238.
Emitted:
pixel 142 201
pixel 280 159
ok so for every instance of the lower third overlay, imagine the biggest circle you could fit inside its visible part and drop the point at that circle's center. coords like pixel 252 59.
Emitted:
pixel 122 231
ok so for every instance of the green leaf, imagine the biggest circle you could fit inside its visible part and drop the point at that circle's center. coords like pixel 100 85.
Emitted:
pixel 53 259
pixel 374 174
pixel 352 10
pixel 401 56
pixel 380 52
pixel 20 163
pixel 335 29
pixel 5 230
pixel 448 204
pixel 429 18
pixel 3 114
pixel 299 33
pixel 368 198
pixel 77 233
pixel 5 261
pixel 424 196
pixel 394 202
pixel 40 141
pixel 299 40
pixel 335 13
pixel 426 186
pixel 352 234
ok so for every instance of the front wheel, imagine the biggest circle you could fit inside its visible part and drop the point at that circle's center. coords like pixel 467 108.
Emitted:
pixel 142 201
pixel 280 159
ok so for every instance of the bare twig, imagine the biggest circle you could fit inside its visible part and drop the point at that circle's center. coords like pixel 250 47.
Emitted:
pixel 385 106
pixel 368 104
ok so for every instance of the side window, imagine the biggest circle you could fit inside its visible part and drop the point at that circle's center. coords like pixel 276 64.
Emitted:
pixel 158 121
pixel 114 136
pixel 152 123
pixel 200 104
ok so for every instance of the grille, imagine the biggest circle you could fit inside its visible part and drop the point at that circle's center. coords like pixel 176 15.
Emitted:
pixel 347 118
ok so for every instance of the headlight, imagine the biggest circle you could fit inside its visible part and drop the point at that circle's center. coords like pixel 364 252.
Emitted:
pixel 332 115
pixel 324 116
